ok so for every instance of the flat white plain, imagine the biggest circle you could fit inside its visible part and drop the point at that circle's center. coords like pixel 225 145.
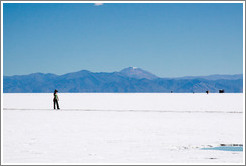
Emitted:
pixel 128 128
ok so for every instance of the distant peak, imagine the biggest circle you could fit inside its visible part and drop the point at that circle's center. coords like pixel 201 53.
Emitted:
pixel 130 68
pixel 138 73
pixel 83 71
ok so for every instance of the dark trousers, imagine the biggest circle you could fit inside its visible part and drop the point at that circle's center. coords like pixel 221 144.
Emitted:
pixel 56 104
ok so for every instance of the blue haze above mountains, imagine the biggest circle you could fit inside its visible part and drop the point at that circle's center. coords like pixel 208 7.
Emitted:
pixel 127 80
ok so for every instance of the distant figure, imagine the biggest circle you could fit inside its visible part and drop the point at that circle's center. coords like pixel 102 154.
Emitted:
pixel 207 91
pixel 221 91
pixel 55 100
pixel 171 91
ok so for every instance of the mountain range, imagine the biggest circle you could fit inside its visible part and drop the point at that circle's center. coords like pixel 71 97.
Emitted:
pixel 130 79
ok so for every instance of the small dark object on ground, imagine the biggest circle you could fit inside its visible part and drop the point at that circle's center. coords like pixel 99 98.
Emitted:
pixel 221 91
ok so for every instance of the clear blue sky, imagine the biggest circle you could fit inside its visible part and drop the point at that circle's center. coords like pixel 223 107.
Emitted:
pixel 168 40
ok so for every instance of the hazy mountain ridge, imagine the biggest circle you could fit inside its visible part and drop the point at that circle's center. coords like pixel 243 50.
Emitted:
pixel 127 80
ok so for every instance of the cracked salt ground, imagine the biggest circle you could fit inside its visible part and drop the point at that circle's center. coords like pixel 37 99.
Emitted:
pixel 47 136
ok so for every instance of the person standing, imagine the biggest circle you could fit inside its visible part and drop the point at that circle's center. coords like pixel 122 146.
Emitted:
pixel 55 100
